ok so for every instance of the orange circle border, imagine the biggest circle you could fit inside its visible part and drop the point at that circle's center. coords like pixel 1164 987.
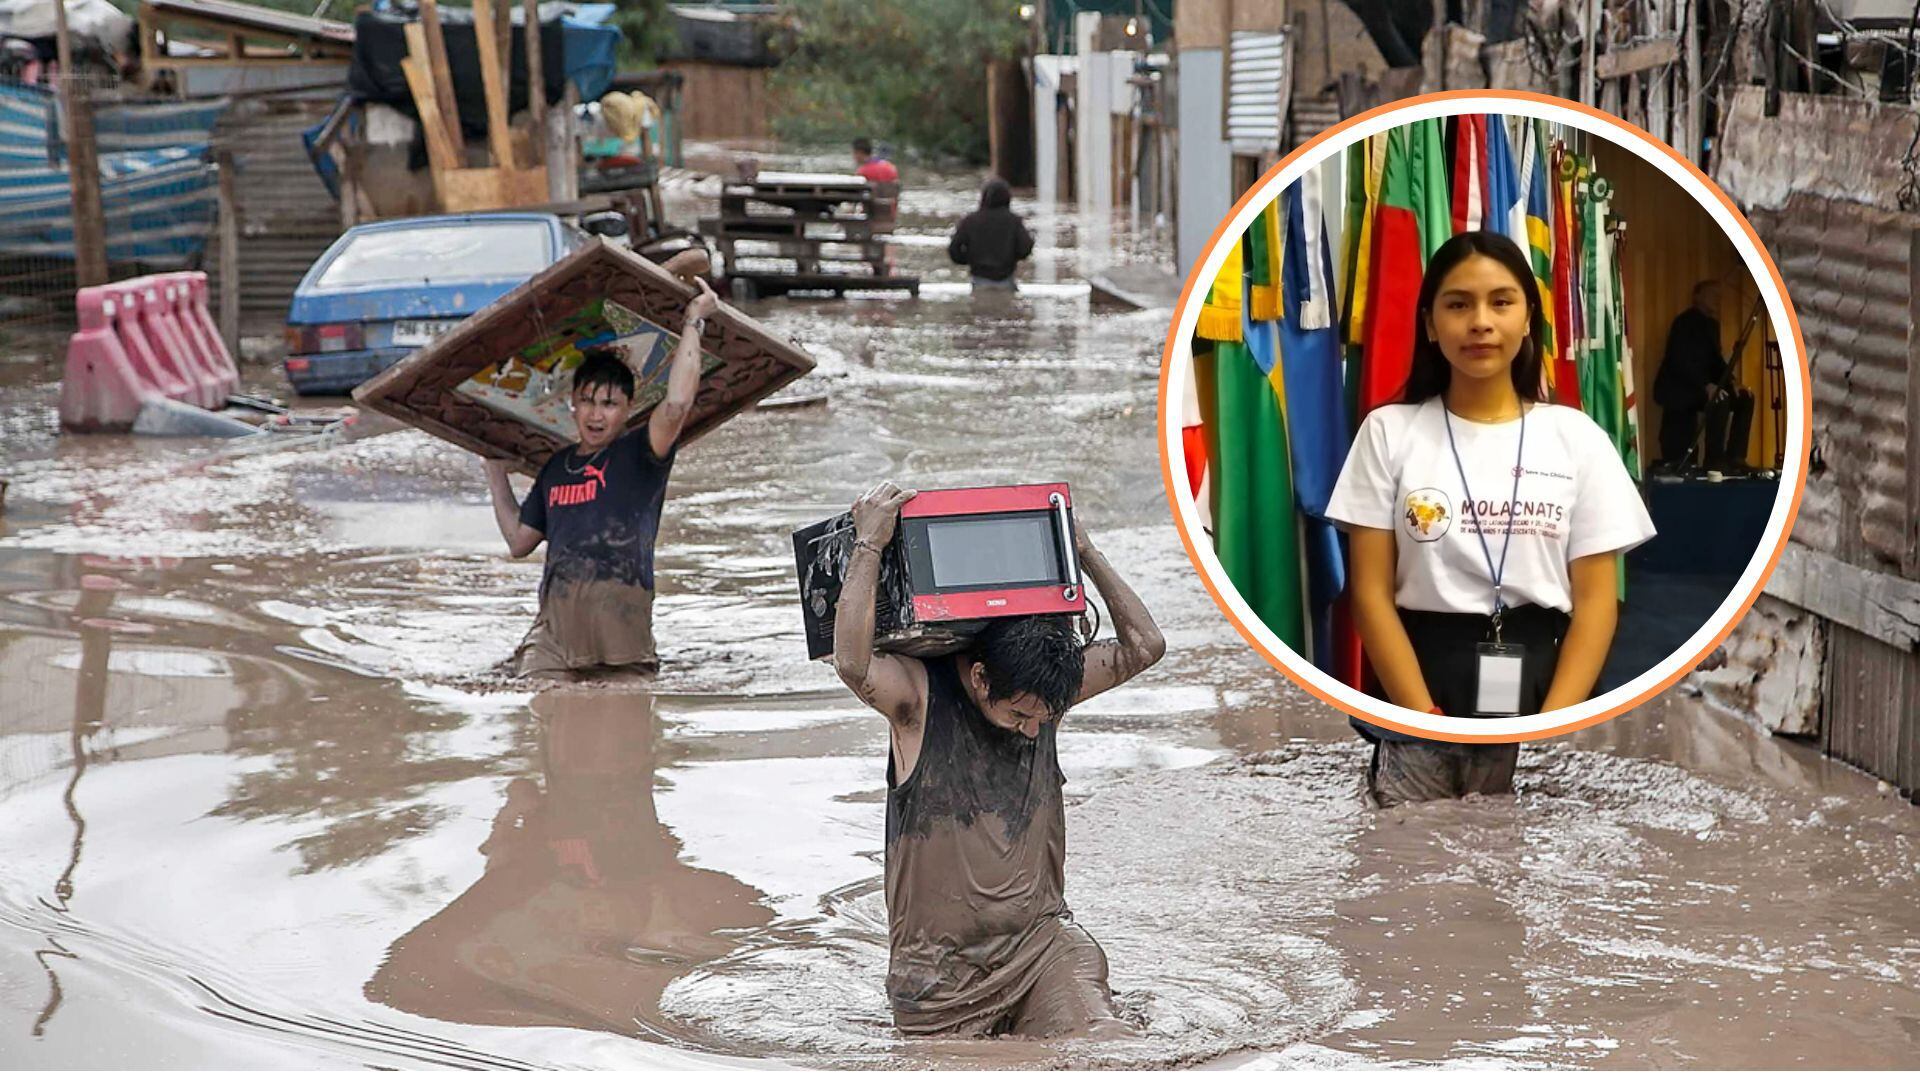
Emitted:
pixel 1605 119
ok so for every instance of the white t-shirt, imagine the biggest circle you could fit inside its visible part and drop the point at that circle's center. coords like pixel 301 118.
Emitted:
pixel 1575 499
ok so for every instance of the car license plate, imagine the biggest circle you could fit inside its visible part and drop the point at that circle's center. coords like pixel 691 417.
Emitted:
pixel 420 331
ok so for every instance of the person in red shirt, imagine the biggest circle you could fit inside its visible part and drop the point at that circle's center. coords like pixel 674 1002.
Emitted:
pixel 877 170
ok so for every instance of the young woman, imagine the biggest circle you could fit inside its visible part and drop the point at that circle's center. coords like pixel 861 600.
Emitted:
pixel 1482 526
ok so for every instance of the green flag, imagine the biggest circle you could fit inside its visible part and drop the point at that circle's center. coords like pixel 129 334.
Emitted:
pixel 1432 194
pixel 1255 533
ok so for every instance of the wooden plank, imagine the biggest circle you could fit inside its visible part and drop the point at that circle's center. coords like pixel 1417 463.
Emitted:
pixel 463 190
pixel 499 135
pixel 1881 606
pixel 536 81
pixel 83 164
pixel 441 76
pixel 229 253
pixel 440 150
pixel 1637 58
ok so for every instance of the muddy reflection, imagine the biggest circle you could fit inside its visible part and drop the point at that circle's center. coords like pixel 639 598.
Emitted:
pixel 584 911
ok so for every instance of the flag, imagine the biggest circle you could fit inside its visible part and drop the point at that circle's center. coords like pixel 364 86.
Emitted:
pixel 1254 526
pixel 1600 392
pixel 1472 180
pixel 1220 313
pixel 1317 431
pixel 1264 253
pixel 1506 203
pixel 1432 199
pixel 1539 246
pixel 1413 207
pixel 1566 373
pixel 1193 444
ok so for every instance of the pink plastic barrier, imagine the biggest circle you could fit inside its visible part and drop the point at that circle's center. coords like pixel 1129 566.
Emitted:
pixel 103 387
pixel 191 309
pixel 138 339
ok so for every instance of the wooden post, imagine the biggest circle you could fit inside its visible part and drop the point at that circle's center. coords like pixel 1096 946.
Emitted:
pixel 229 254
pixel 536 76
pixel 499 135
pixel 1690 31
pixel 563 172
pixel 83 164
pixel 1590 19
pixel 442 77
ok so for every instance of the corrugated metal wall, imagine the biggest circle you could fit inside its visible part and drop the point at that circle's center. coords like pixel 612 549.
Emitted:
pixel 287 216
pixel 1872 714
pixel 1258 85
pixel 1850 270
pixel 1311 116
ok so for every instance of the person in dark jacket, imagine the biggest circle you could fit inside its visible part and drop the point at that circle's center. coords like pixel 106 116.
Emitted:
pixel 992 240
pixel 1693 379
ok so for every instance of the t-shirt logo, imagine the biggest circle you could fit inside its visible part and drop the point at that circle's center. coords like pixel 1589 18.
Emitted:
pixel 1426 516
pixel 583 492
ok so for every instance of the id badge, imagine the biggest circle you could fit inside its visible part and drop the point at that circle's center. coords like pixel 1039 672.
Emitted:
pixel 1497 679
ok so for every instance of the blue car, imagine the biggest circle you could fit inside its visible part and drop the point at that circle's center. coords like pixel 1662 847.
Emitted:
pixel 388 287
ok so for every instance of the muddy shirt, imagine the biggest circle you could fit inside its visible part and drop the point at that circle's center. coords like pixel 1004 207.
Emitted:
pixel 975 870
pixel 600 513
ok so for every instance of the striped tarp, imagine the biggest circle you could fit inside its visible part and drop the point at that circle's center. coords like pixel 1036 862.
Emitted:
pixel 157 189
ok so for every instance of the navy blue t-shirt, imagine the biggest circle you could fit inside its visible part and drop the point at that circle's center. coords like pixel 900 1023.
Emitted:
pixel 600 512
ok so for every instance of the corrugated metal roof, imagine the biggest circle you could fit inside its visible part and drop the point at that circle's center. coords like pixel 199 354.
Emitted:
pixel 1849 271
pixel 256 18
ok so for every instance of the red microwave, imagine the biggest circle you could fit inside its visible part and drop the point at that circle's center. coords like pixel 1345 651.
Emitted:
pixel 960 557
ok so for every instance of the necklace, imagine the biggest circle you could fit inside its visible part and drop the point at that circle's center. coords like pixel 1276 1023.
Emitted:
pixel 567 462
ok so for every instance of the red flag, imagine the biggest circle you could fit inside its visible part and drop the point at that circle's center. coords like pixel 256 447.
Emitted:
pixel 1566 376
pixel 1471 181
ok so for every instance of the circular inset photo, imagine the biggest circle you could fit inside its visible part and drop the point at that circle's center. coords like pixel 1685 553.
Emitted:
pixel 1484 417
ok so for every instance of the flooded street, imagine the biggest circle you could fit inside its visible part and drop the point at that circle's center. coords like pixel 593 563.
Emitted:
pixel 267 801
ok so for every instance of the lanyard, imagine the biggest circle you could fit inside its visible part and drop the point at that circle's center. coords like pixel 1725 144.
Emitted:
pixel 1496 573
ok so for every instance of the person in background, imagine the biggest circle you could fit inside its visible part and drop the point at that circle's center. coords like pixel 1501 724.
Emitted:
pixel 991 241
pixel 1694 378
pixel 875 167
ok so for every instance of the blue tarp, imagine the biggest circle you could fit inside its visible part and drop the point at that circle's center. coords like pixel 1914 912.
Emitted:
pixel 157 189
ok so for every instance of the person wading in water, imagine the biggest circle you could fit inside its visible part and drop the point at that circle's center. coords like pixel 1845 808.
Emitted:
pixel 596 505
pixel 982 942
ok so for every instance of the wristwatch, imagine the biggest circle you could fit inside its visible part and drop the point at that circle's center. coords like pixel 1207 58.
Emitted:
pixel 696 325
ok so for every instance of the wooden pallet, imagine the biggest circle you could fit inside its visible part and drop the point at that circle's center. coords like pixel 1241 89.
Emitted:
pixel 773 246
pixel 766 283
pixel 798 228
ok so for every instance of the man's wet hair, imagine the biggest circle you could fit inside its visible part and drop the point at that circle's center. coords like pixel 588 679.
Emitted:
pixel 600 365
pixel 1037 654
pixel 863 145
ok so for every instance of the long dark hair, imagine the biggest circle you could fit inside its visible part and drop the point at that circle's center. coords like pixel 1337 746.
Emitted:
pixel 1431 373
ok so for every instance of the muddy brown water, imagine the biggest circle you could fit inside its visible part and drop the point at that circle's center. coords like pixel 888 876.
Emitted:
pixel 266 802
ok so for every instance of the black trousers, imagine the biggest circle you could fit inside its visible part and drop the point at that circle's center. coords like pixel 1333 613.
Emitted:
pixel 1446 645
pixel 1729 424
pixel 1404 769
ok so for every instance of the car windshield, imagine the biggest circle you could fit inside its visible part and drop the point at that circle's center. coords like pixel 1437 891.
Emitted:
pixel 449 251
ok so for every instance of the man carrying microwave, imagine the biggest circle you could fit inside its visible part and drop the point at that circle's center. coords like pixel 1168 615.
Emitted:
pixel 982 942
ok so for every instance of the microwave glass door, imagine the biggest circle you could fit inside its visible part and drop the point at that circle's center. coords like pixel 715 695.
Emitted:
pixel 985 550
